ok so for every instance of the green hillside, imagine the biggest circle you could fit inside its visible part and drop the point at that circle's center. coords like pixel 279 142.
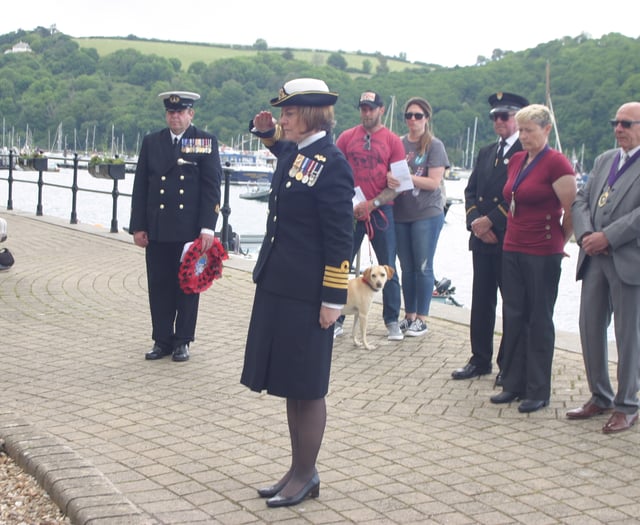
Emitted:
pixel 93 92
pixel 188 53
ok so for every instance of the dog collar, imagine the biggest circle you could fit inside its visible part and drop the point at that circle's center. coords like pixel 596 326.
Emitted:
pixel 369 283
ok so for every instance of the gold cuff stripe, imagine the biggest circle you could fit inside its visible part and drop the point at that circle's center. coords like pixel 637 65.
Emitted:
pixel 470 209
pixel 336 277
pixel 340 285
pixel 502 210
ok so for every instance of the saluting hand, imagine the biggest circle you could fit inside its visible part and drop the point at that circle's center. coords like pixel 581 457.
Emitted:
pixel 264 121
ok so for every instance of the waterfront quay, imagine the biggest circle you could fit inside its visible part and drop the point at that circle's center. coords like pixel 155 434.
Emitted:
pixel 116 439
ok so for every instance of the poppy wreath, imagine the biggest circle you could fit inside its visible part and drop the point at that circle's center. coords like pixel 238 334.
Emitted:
pixel 198 270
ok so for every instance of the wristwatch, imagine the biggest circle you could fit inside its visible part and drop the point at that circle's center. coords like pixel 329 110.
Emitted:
pixel 376 203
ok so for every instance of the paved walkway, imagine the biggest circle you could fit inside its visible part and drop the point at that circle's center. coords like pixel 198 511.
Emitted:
pixel 116 439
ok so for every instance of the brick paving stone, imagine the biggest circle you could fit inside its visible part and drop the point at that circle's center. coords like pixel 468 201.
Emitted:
pixel 123 440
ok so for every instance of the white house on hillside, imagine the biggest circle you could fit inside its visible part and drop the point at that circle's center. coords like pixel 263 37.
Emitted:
pixel 20 47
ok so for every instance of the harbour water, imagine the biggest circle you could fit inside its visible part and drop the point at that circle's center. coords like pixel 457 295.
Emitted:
pixel 247 217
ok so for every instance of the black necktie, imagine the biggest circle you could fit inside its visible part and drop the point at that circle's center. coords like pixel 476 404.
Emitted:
pixel 500 155
pixel 175 141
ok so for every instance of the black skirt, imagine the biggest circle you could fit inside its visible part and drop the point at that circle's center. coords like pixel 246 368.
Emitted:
pixel 287 354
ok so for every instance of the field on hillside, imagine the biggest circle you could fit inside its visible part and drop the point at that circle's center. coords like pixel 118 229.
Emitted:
pixel 207 53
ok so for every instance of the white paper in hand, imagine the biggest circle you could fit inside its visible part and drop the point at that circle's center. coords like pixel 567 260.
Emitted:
pixel 358 196
pixel 400 171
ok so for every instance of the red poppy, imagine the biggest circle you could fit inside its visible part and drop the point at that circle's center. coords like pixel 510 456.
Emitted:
pixel 198 270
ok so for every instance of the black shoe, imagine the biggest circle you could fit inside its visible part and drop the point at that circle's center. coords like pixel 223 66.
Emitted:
pixel 269 492
pixel 156 353
pixel 311 489
pixel 531 405
pixel 181 353
pixel 470 370
pixel 505 397
pixel 498 381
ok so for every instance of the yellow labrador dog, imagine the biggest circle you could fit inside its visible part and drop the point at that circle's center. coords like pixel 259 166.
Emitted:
pixel 360 296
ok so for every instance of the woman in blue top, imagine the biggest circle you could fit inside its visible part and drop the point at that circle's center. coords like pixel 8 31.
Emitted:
pixel 419 214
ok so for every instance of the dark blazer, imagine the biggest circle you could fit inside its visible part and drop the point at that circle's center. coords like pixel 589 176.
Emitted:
pixel 307 246
pixel 172 203
pixel 483 194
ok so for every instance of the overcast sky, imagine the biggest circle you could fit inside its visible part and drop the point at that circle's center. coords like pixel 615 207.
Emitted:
pixel 448 33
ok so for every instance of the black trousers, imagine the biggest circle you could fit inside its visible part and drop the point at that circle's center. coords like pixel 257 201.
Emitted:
pixel 530 289
pixel 173 313
pixel 487 280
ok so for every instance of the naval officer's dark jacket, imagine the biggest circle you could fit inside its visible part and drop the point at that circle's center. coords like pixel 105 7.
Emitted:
pixel 483 194
pixel 307 245
pixel 173 202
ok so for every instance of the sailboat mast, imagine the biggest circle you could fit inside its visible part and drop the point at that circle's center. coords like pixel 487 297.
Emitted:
pixel 473 143
pixel 558 146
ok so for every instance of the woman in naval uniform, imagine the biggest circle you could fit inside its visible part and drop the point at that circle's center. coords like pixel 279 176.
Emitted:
pixel 301 274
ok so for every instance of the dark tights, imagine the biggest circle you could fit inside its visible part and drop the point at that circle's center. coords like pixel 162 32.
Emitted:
pixel 307 420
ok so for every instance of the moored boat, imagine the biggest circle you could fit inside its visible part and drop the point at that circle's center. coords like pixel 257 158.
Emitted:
pixel 247 166
pixel 258 192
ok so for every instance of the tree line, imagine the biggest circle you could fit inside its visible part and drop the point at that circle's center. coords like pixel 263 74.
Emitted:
pixel 60 85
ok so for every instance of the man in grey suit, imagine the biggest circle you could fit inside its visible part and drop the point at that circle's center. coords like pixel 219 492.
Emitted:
pixel 606 220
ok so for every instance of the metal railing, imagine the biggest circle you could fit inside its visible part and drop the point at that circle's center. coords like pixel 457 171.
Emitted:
pixel 10 160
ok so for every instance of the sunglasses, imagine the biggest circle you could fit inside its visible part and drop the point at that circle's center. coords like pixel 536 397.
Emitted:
pixel 502 115
pixel 417 116
pixel 626 124
pixel 367 142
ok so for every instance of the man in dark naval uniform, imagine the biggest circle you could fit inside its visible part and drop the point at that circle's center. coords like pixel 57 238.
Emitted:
pixel 486 220
pixel 176 199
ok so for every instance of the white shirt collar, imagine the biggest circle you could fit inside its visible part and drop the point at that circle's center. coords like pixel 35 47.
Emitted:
pixel 311 139
pixel 630 152
pixel 511 140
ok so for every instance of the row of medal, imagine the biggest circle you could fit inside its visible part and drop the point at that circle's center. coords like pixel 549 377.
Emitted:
pixel 196 145
pixel 307 170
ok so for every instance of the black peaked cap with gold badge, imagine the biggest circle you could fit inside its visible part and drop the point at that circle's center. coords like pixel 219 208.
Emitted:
pixel 502 101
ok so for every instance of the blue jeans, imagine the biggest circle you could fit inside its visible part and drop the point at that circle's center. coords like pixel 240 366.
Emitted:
pixel 384 246
pixel 416 249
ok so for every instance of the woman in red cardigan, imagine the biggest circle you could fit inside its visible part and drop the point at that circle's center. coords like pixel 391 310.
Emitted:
pixel 540 188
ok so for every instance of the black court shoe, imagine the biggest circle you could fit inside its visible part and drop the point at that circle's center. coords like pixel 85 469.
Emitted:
pixel 269 492
pixel 311 489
